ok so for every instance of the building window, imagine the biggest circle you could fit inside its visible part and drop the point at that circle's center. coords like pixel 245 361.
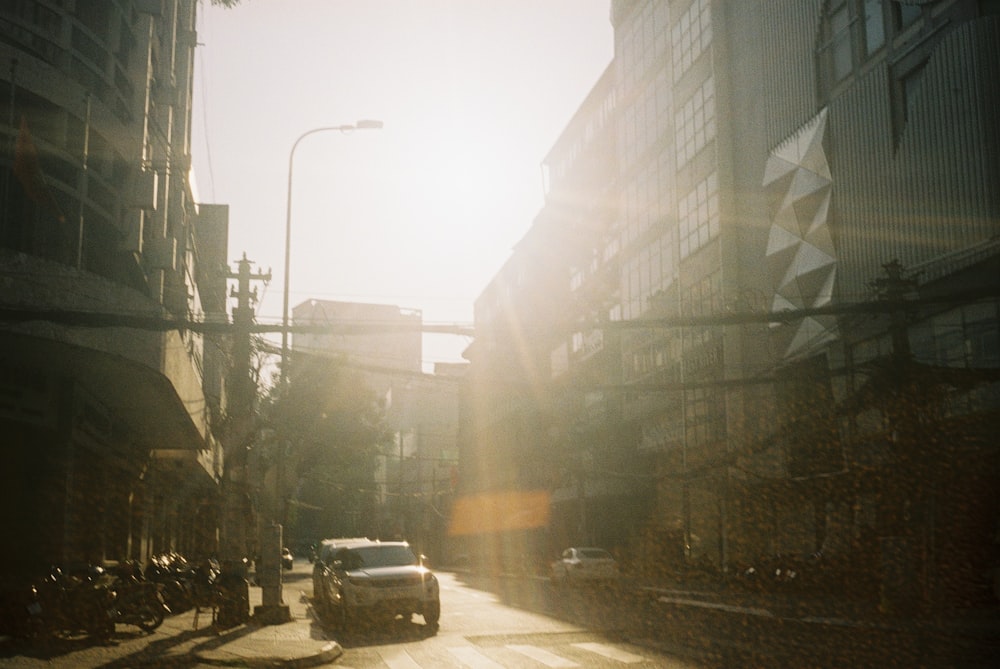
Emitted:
pixel 855 32
pixel 639 48
pixel 695 123
pixel 906 13
pixel 874 26
pixel 702 298
pixel 691 36
pixel 840 42
pixel 648 272
pixel 704 416
pixel 698 216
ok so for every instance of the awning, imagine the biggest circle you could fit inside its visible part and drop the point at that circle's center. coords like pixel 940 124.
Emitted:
pixel 140 397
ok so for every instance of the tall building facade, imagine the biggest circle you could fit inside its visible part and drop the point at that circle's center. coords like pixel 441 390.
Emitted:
pixel 804 309
pixel 534 416
pixel 781 157
pixel 778 157
pixel 384 344
pixel 108 409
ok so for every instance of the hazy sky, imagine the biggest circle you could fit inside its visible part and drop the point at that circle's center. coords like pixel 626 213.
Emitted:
pixel 423 213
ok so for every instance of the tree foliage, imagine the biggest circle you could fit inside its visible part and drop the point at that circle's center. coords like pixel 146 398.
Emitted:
pixel 332 429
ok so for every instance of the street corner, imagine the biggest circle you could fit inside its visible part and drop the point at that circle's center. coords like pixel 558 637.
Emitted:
pixel 291 644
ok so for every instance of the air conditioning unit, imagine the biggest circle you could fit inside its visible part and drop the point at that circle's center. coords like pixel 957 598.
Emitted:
pixel 152 7
pixel 132 224
pixel 187 37
pixel 145 189
pixel 166 95
pixel 181 163
pixel 160 253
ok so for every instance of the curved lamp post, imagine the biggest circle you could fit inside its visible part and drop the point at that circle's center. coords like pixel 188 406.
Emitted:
pixel 359 125
pixel 272 609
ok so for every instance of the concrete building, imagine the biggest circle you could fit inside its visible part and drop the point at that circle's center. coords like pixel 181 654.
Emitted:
pixel 534 418
pixel 384 343
pixel 107 408
pixel 381 339
pixel 831 159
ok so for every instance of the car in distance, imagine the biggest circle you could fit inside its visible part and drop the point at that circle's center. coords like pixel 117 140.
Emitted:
pixel 585 564
pixel 378 580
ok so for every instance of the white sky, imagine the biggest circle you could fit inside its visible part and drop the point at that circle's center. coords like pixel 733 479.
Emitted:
pixel 424 212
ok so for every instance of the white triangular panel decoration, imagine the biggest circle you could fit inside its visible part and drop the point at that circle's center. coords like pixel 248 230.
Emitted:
pixel 809 259
pixel 785 218
pixel 778 304
pixel 826 293
pixel 811 286
pixel 806 183
pixel 776 168
pixel 813 156
pixel 818 227
pixel 780 239
pixel 811 334
pixel 800 252
pixel 788 151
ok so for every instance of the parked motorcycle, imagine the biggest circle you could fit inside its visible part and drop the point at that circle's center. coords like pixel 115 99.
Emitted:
pixel 20 612
pixel 174 574
pixel 74 600
pixel 784 572
pixel 204 579
pixel 137 601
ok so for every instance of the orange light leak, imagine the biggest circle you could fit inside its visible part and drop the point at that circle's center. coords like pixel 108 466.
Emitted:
pixel 499 511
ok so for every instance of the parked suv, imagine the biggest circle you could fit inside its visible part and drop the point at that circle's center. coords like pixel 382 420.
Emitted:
pixel 584 564
pixel 376 579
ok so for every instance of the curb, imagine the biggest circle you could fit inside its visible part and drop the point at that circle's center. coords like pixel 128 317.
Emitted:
pixel 330 652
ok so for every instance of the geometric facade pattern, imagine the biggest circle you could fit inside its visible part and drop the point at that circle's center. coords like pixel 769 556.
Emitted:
pixel 801 259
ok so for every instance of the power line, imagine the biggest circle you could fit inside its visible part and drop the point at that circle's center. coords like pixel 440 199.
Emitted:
pixel 95 319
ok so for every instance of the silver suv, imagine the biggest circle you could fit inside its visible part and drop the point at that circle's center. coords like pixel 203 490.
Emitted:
pixel 378 579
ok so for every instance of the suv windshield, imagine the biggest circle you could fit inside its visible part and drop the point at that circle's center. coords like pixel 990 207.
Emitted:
pixel 380 556
pixel 595 554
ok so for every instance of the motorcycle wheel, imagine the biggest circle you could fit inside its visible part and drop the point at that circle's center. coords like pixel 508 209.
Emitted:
pixel 101 628
pixel 149 617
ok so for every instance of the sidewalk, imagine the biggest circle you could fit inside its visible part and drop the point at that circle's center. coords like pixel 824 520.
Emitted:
pixel 302 642
pixel 298 643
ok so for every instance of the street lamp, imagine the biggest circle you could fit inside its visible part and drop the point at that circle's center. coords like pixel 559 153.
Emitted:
pixel 365 124
pixel 272 610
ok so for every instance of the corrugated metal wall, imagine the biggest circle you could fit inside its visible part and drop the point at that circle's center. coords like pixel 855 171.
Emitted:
pixel 789 48
pixel 865 199
pixel 930 187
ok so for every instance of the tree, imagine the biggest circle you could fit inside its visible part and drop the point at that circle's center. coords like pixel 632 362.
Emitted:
pixel 329 429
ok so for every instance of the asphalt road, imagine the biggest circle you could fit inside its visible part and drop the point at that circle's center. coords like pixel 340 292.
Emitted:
pixel 501 623
pixel 521 621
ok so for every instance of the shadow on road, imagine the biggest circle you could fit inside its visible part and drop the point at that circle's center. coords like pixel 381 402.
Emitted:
pixel 377 632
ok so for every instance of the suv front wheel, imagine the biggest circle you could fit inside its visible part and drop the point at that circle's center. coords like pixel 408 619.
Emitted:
pixel 432 612
pixel 338 613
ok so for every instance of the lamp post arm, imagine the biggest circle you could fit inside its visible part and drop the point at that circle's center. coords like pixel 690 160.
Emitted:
pixel 360 125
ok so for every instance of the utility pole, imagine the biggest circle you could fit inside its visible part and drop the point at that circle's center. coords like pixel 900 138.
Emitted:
pixel 895 288
pixel 240 428
pixel 900 586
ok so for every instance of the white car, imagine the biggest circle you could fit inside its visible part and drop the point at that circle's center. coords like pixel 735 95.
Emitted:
pixel 585 564
pixel 375 579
